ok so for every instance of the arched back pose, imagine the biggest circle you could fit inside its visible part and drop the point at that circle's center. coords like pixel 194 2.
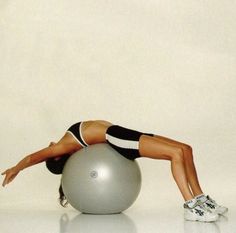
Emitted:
pixel 131 144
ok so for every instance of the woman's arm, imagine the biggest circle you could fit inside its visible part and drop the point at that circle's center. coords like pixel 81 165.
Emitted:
pixel 37 157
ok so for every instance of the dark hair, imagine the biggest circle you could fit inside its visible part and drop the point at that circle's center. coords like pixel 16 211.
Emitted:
pixel 55 166
pixel 62 198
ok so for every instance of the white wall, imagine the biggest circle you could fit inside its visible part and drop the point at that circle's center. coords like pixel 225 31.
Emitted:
pixel 166 67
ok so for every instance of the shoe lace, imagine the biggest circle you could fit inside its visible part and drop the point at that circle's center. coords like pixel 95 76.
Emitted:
pixel 201 206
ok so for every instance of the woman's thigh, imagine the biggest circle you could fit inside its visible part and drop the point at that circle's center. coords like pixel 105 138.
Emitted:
pixel 158 147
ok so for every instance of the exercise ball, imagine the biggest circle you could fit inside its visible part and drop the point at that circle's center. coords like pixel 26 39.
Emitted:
pixel 99 180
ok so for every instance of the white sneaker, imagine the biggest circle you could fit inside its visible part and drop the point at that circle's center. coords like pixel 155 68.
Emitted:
pixel 212 206
pixel 199 213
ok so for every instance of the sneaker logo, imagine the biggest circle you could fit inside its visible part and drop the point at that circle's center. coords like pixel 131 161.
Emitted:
pixel 199 212
pixel 210 205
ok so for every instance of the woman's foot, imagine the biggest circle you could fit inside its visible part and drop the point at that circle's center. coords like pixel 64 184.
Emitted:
pixel 195 211
pixel 211 205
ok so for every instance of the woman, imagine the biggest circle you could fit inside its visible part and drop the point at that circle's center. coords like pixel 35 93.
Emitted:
pixel 131 144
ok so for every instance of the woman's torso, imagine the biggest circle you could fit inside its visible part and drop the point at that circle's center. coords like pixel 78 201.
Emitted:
pixel 95 131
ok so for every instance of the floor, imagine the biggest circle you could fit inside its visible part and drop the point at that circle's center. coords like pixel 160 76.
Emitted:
pixel 70 221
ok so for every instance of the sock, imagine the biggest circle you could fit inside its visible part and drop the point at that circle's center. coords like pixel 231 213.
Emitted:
pixel 201 197
pixel 191 203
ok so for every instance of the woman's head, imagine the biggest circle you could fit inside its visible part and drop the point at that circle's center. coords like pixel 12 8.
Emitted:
pixel 56 165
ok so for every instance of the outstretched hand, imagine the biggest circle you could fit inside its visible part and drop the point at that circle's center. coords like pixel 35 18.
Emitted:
pixel 12 172
pixel 10 175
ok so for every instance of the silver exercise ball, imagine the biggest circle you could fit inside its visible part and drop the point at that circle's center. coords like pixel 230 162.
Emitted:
pixel 98 180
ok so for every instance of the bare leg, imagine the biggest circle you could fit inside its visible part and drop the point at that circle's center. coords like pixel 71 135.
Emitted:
pixel 151 147
pixel 189 164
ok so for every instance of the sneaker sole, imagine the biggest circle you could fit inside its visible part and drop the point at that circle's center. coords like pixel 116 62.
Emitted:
pixel 200 220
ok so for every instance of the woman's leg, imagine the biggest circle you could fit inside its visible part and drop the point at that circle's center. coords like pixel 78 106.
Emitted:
pixel 152 147
pixel 189 164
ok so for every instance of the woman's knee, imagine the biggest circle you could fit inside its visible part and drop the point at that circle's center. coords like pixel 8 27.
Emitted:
pixel 182 153
pixel 177 154
pixel 187 148
pixel 188 152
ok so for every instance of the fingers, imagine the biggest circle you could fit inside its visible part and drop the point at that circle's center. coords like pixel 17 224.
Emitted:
pixel 5 181
pixel 3 173
pixel 9 176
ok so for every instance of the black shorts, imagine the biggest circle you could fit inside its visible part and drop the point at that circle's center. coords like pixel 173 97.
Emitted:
pixel 125 141
pixel 76 131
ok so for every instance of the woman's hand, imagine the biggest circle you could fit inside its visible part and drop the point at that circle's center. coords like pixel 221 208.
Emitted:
pixel 10 174
pixel 54 150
